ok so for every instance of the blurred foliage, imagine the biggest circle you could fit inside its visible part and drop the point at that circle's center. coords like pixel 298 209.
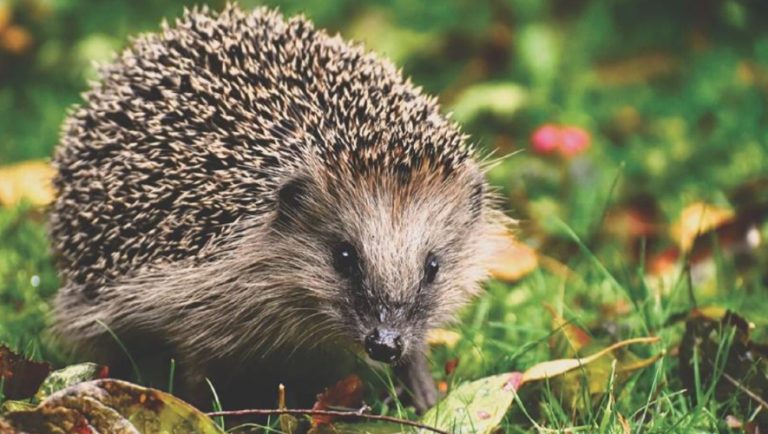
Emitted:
pixel 671 95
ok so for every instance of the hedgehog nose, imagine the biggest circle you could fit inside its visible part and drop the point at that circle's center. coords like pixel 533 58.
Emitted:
pixel 384 345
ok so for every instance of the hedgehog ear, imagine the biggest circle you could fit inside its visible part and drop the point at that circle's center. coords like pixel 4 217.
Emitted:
pixel 291 197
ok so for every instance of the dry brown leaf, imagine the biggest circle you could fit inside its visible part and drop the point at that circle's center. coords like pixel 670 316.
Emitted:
pixel 514 261
pixel 451 365
pixel 20 377
pixel 664 262
pixel 30 180
pixel 346 393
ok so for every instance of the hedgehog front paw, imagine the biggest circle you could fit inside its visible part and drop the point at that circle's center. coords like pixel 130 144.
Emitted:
pixel 419 384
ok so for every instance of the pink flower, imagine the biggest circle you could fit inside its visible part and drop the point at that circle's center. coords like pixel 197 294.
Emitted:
pixel 573 141
pixel 569 141
pixel 546 139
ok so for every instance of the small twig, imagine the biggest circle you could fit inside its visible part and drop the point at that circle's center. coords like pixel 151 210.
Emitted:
pixel 361 413
pixel 748 392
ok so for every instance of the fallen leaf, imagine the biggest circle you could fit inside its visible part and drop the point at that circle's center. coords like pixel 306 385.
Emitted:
pixel 624 423
pixel 20 377
pixel 733 422
pixel 111 406
pixel 664 262
pixel 289 423
pixel 5 15
pixel 348 392
pixel 553 368
pixel 514 261
pixel 451 365
pixel 475 407
pixel 634 218
pixel 480 406
pixel 595 375
pixel 15 39
pixel 697 219
pixel 448 338
pixel 69 376
pixel 30 180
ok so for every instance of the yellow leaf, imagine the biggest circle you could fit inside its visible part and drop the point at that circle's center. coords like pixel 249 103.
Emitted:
pixel 715 313
pixel 553 368
pixel 567 338
pixel 696 219
pixel 5 15
pixel 15 39
pixel 443 337
pixel 30 180
pixel 514 261
pixel 624 423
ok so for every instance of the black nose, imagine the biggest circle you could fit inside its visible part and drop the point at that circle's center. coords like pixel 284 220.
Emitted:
pixel 384 345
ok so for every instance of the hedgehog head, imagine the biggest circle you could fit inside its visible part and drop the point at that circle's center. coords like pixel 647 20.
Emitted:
pixel 385 256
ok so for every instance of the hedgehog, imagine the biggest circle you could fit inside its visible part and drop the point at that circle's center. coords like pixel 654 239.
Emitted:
pixel 265 203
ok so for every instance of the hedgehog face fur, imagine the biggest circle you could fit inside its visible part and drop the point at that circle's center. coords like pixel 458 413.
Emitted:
pixel 381 268
pixel 239 184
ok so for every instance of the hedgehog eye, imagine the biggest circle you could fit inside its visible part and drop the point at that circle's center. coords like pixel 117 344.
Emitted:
pixel 431 268
pixel 345 259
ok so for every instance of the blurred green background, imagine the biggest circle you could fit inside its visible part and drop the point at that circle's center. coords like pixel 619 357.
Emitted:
pixel 669 99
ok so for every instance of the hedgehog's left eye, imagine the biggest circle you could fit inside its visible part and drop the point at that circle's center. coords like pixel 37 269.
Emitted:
pixel 431 268
pixel 345 259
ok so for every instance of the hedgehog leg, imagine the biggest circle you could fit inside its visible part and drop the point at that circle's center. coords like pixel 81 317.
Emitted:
pixel 417 379
pixel 193 384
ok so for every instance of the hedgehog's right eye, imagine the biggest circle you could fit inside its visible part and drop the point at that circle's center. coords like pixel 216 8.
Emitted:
pixel 345 259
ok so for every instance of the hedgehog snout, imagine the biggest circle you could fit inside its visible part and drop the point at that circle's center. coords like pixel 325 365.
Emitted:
pixel 384 345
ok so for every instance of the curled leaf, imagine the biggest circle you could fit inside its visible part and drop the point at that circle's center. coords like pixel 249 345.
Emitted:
pixel 475 407
pixel 111 406
pixel 553 368
pixel 346 393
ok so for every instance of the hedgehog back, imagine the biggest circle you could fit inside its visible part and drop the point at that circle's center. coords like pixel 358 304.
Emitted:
pixel 192 129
